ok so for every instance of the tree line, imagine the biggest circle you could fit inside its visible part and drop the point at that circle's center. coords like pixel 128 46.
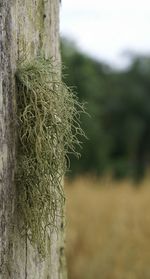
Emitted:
pixel 118 102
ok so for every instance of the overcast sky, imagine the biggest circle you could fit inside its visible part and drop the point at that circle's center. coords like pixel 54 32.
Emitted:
pixel 106 28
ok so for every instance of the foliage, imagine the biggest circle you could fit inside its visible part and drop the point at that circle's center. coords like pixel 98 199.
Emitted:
pixel 119 105
pixel 48 127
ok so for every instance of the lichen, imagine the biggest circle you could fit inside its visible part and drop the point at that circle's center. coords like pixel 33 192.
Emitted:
pixel 48 116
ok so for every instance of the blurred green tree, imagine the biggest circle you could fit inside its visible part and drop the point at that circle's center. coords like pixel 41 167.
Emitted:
pixel 119 105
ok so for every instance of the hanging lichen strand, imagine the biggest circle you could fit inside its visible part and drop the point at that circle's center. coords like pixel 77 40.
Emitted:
pixel 48 127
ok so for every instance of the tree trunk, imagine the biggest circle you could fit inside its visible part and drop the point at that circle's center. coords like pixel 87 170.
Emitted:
pixel 27 28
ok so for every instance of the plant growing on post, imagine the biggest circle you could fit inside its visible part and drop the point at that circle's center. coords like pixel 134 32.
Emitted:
pixel 48 116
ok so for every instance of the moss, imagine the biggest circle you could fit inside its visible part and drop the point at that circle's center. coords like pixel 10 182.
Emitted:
pixel 48 127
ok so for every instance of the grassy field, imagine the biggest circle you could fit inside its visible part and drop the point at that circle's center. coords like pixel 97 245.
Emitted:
pixel 108 230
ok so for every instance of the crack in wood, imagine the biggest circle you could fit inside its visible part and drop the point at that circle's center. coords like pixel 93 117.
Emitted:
pixel 26 258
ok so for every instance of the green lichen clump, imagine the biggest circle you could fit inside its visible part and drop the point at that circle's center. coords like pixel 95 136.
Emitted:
pixel 48 127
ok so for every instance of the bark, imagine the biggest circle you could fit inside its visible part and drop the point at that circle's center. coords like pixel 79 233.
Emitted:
pixel 27 28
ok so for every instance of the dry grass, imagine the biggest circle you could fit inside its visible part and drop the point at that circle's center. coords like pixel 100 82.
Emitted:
pixel 108 230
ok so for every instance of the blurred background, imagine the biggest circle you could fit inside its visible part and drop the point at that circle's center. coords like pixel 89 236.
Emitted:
pixel 105 48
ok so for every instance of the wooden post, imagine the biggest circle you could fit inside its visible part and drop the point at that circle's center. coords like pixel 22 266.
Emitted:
pixel 27 28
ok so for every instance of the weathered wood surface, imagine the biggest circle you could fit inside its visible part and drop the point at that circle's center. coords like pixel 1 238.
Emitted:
pixel 27 28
